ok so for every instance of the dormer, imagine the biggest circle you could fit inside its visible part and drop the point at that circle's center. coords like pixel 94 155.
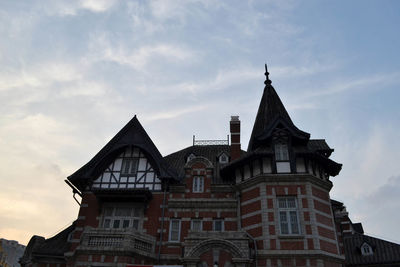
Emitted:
pixel 190 157
pixel 223 158
pixel 366 249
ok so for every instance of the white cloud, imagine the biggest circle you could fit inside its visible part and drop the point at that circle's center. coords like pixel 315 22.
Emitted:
pixel 97 5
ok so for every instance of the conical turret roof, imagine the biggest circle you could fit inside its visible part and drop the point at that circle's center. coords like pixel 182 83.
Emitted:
pixel 270 113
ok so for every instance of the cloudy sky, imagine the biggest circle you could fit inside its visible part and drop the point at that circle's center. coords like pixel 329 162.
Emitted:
pixel 73 73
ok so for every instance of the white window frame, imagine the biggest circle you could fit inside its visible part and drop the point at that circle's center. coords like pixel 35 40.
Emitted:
pixel 129 167
pixel 133 217
pixel 281 152
pixel 222 225
pixel 190 157
pixel 200 222
pixel 171 222
pixel 287 209
pixel 366 249
pixel 282 157
pixel 198 184
pixel 221 160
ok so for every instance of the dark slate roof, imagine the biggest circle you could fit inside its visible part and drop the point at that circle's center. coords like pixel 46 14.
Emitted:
pixel 318 145
pixel 39 248
pixel 177 160
pixel 385 252
pixel 56 245
pixel 270 113
pixel 132 133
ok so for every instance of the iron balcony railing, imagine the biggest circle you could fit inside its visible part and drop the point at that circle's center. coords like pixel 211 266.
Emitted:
pixel 210 142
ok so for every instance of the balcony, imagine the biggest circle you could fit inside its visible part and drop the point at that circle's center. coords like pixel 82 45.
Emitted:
pixel 118 242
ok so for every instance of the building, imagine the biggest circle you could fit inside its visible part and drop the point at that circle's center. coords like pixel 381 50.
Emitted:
pixel 10 252
pixel 210 204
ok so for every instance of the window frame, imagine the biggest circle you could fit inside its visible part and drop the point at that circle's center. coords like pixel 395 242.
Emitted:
pixel 220 159
pixel 363 248
pixel 200 221
pixel 198 184
pixel 282 157
pixel 222 225
pixel 282 152
pixel 108 221
pixel 170 230
pixel 288 211
pixel 133 167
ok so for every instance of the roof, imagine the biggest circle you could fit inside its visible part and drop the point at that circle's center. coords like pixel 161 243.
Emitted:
pixel 177 160
pixel 270 113
pixel 132 133
pixel 54 247
pixel 384 252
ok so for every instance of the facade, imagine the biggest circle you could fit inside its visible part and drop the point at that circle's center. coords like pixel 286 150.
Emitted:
pixel 10 252
pixel 210 204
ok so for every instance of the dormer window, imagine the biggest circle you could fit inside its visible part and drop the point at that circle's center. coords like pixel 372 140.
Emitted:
pixel 190 157
pixel 223 158
pixel 366 249
pixel 282 158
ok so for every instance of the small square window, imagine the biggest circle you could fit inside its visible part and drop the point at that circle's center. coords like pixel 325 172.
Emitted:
pixel 197 225
pixel 116 224
pixel 107 223
pixel 218 225
pixel 125 224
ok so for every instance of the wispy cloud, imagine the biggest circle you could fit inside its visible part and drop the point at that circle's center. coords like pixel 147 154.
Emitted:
pixel 357 84
pixel 138 57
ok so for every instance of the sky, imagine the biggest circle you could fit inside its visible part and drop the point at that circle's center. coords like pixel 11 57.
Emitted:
pixel 73 73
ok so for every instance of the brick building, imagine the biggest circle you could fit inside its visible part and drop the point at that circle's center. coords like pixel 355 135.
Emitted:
pixel 210 204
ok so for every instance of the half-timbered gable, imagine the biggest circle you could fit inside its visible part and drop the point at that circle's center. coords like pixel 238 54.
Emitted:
pixel 131 169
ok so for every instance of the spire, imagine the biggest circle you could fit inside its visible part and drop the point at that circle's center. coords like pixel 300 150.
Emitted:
pixel 270 113
pixel 267 80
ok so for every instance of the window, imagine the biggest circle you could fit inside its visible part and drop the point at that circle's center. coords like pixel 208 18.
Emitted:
pixel 281 152
pixel 190 157
pixel 197 225
pixel 288 217
pixel 366 250
pixel 129 167
pixel 218 225
pixel 223 158
pixel 282 158
pixel 198 184
pixel 174 230
pixel 122 217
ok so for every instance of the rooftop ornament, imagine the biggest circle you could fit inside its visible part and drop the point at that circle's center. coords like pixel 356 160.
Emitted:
pixel 267 80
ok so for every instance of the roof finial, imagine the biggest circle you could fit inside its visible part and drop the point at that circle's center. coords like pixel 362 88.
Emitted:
pixel 267 80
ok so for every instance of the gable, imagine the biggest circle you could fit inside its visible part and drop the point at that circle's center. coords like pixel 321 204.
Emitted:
pixel 132 134
pixel 131 169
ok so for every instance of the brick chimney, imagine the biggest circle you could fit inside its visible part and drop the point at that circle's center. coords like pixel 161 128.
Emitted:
pixel 235 137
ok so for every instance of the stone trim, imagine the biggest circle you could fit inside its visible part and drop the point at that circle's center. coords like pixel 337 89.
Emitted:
pixel 285 178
